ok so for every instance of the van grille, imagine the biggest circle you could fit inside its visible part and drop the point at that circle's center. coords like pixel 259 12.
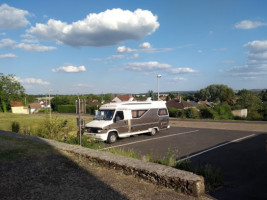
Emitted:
pixel 93 130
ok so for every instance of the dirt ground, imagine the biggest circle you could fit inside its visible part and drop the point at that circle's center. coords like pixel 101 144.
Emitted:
pixel 34 171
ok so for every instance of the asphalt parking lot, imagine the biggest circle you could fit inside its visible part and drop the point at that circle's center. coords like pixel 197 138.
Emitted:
pixel 240 154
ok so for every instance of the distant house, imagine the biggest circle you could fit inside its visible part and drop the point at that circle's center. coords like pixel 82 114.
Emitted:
pixel 34 107
pixel 163 98
pixel 18 108
pixel 45 104
pixel 93 102
pixel 122 98
pixel 192 103
pixel 179 103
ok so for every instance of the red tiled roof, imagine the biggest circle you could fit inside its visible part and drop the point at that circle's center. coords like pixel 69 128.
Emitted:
pixel 124 97
pixel 176 103
pixel 202 102
pixel 16 104
pixel 35 105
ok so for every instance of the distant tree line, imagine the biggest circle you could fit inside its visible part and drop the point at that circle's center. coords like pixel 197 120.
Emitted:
pixel 224 98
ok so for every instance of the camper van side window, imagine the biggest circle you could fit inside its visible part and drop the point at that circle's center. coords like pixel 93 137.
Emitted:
pixel 138 113
pixel 119 116
pixel 162 112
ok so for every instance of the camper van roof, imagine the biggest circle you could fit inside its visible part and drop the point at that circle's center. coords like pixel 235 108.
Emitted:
pixel 134 105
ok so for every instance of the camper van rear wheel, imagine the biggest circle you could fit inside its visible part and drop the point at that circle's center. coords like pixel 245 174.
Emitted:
pixel 112 137
pixel 153 131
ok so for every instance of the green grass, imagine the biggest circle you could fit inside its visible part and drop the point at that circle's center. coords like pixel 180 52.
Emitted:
pixel 31 121
pixel 129 153
pixel 6 120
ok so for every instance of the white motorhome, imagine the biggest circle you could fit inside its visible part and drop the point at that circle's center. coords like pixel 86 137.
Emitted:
pixel 119 120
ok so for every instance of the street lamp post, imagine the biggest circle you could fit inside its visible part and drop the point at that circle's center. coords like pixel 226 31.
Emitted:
pixel 158 77
pixel 49 103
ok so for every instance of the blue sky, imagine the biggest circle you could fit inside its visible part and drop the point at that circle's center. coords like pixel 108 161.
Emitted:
pixel 77 47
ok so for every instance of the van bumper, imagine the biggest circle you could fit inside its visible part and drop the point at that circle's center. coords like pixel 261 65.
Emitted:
pixel 97 136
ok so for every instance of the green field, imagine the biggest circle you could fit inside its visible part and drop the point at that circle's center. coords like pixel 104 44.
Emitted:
pixel 57 127
pixel 30 121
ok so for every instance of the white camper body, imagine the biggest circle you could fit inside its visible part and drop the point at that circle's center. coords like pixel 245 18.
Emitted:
pixel 124 119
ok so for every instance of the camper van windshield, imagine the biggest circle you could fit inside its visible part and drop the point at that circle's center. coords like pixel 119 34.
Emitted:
pixel 104 115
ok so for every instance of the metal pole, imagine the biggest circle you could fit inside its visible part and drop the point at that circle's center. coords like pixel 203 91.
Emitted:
pixel 158 87
pixel 79 111
pixel 158 76
pixel 50 105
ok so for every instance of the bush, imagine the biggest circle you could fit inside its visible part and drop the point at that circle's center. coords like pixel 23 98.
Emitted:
pixel 66 108
pixel 15 126
pixel 174 112
pixel 53 128
pixel 191 113
pixel 254 115
pixel 206 113
pixel 86 142
pixel 223 111
pixel 180 113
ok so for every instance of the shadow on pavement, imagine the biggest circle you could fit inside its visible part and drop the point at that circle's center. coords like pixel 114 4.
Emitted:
pixel 45 174
pixel 243 165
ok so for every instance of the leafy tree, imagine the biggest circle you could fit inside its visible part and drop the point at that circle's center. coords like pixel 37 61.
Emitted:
pixel 249 100
pixel 252 102
pixel 264 110
pixel 10 90
pixel 188 96
pixel 263 95
pixel 108 97
pixel 215 93
pixel 151 94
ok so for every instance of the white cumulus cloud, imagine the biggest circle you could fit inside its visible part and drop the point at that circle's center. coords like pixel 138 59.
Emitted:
pixel 8 55
pixel 248 24
pixel 177 79
pixel 36 47
pixel 8 43
pixel 256 64
pixel 70 69
pixel 12 18
pixel 156 66
pixel 124 49
pixel 181 70
pixel 145 45
pixel 257 45
pixel 32 81
pixel 147 66
pixel 107 28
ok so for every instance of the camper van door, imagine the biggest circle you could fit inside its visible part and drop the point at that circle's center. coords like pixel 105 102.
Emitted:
pixel 120 123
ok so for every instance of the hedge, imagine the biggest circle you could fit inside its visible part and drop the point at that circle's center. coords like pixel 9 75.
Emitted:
pixel 90 109
pixel 66 109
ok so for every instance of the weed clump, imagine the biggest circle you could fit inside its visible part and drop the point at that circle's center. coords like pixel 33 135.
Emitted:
pixel 15 127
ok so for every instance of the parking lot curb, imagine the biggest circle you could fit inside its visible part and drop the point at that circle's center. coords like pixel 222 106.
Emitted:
pixel 179 180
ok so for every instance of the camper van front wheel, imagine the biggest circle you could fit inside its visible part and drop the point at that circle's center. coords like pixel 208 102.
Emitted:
pixel 112 137
pixel 153 131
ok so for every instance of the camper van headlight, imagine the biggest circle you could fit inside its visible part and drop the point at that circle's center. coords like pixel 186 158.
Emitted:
pixel 99 130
